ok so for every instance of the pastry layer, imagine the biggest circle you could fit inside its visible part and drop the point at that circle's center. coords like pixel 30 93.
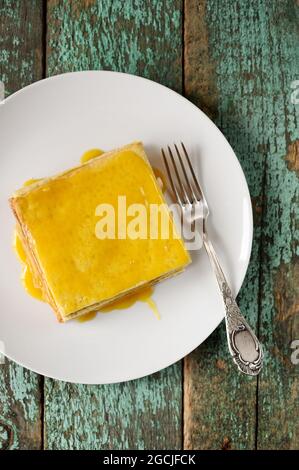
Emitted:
pixel 77 271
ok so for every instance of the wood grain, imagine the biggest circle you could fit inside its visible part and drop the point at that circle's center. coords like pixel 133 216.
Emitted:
pixel 20 64
pixel 199 65
pixel 251 60
pixel 278 397
pixel 240 60
pixel 21 51
pixel 220 404
pixel 142 414
pixel 144 38
pixel 20 408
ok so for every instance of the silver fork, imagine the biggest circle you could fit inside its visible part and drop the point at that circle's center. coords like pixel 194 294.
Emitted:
pixel 243 345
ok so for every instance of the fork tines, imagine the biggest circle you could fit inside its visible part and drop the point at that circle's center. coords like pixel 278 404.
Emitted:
pixel 182 178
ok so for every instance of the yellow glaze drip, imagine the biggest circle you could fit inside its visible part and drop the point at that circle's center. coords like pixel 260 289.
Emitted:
pixel 144 295
pixel 29 285
pixel 87 317
pixel 90 154
pixel 129 300
pixel 152 305
pixel 27 278
pixel 18 246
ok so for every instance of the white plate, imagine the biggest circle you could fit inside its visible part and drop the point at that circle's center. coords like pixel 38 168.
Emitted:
pixel 44 129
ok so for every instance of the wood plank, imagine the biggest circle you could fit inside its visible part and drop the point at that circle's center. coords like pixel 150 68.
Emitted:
pixel 21 34
pixel 251 63
pixel 20 408
pixel 278 398
pixel 141 414
pixel 20 64
pixel 144 38
pixel 130 36
pixel 219 403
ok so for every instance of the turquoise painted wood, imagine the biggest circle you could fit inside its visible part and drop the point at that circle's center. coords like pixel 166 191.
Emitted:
pixel 278 395
pixel 239 62
pixel 217 398
pixel 132 36
pixel 20 64
pixel 21 49
pixel 143 414
pixel 144 38
pixel 251 59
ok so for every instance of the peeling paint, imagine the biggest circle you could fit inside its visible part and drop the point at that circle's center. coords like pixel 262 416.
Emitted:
pixel 226 444
pixel 20 414
pixel 286 292
pixel 292 157
pixel 143 38
pixel 199 65
pixel 243 61
pixel 253 48
pixel 129 36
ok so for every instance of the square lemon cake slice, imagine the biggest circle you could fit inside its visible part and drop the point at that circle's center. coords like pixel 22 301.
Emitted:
pixel 57 220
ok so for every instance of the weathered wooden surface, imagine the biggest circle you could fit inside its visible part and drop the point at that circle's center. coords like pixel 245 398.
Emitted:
pixel 143 38
pixel 142 414
pixel 248 55
pixel 20 64
pixel 237 61
pixel 21 48
pixel 278 396
pixel 217 398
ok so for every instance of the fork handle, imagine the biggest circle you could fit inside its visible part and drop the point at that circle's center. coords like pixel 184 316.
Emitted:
pixel 243 345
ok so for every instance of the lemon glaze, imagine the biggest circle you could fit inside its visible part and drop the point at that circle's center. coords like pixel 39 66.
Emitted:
pixel 144 295
pixel 123 263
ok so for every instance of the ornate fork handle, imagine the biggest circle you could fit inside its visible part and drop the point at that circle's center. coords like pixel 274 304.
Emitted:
pixel 244 346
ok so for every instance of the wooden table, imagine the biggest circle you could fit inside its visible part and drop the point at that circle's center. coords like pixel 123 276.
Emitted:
pixel 238 60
